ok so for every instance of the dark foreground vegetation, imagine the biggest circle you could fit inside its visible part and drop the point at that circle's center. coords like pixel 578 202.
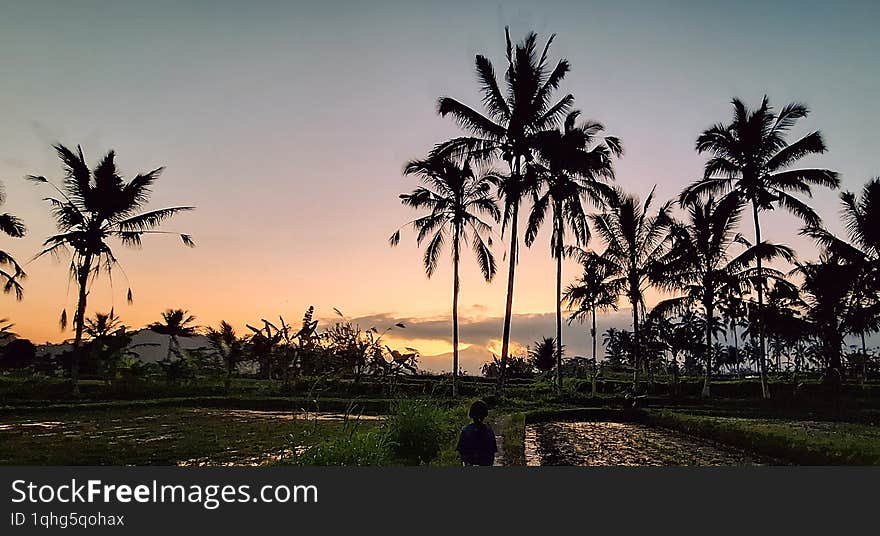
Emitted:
pixel 357 423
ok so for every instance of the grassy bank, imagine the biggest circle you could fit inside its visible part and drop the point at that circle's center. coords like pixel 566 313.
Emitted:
pixel 800 442
pixel 365 405
pixel 512 429
pixel 536 392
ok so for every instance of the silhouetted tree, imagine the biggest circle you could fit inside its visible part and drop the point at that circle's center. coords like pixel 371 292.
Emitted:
pixel 618 346
pixel 750 161
pixel 593 291
pixel 456 199
pixel 108 345
pixel 573 166
pixel 861 216
pixel 635 238
pixel 700 265
pixel 10 271
pixel 175 323
pixel 92 207
pixel 17 354
pixel 826 288
pixel 509 129
pixel 229 347
pixel 543 355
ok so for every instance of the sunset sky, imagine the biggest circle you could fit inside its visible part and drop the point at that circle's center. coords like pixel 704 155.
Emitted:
pixel 287 126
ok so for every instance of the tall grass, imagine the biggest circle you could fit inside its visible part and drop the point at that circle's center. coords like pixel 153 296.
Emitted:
pixel 416 432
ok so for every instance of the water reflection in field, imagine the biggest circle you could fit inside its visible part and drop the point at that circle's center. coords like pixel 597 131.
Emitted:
pixel 613 443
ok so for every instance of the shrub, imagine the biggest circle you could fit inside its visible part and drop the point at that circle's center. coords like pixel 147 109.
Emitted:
pixel 417 429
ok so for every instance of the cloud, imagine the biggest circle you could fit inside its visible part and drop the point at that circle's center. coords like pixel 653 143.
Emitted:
pixel 481 335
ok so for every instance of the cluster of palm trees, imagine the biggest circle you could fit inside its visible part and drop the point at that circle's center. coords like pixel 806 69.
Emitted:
pixel 551 160
pixel 563 168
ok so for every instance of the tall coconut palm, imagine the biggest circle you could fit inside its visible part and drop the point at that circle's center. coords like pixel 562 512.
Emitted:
pixel 701 266
pixel 593 291
pixel 13 227
pixel 91 208
pixel 750 161
pixel 513 118
pixel 861 216
pixel 176 323
pixel 457 200
pixel 635 236
pixel 573 166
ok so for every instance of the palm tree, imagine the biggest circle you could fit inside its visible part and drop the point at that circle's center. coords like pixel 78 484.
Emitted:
pixel 10 226
pixel 617 343
pixel 634 238
pixel 780 317
pixel 593 291
pixel 571 168
pixel 102 325
pixel 513 119
pixel 92 207
pixel 732 310
pixel 861 216
pixel 699 264
pixel 750 161
pixel 175 323
pixel 229 347
pixel 826 289
pixel 456 199
pixel 543 355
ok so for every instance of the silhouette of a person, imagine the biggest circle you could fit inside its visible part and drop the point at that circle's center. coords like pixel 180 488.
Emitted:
pixel 476 444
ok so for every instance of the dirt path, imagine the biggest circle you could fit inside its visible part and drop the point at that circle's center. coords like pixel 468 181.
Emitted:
pixel 498 426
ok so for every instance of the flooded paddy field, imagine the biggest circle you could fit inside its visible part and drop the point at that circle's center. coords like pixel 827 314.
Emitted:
pixel 166 436
pixel 603 443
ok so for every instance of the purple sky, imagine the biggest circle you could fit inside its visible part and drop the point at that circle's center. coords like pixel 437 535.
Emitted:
pixel 288 125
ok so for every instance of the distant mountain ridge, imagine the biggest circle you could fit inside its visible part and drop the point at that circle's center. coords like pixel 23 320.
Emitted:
pixel 150 346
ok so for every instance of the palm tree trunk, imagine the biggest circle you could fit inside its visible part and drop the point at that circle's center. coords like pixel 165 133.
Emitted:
pixel 635 349
pixel 455 288
pixel 735 338
pixel 170 347
pixel 707 378
pixel 79 318
pixel 593 334
pixel 762 365
pixel 864 357
pixel 674 373
pixel 508 310
pixel 558 306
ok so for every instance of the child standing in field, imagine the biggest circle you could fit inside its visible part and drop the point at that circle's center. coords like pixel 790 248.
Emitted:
pixel 476 444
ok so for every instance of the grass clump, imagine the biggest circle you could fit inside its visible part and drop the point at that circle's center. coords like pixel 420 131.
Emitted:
pixel 359 448
pixel 416 432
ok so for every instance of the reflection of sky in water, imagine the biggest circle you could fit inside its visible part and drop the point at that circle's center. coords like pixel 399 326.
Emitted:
pixel 134 427
pixel 613 443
